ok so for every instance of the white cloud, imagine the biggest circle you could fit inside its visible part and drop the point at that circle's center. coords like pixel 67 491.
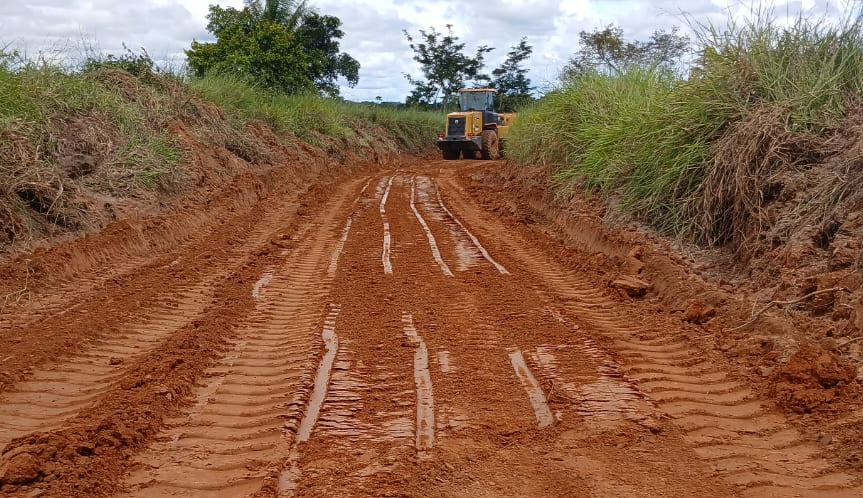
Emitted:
pixel 373 28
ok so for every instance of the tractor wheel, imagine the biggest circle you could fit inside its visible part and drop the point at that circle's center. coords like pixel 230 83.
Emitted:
pixel 450 154
pixel 490 148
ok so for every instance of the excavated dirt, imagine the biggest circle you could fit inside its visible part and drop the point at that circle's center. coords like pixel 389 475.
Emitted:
pixel 421 329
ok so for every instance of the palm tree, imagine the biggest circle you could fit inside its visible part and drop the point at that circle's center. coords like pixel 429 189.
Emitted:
pixel 288 13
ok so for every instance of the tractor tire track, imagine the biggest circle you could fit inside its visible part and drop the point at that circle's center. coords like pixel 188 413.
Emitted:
pixel 256 394
pixel 665 362
pixel 57 392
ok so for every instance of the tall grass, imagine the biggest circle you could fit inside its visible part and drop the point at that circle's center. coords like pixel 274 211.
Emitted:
pixel 126 107
pixel 311 117
pixel 38 99
pixel 650 138
pixel 414 130
pixel 285 114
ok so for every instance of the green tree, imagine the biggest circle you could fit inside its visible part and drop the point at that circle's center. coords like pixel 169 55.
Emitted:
pixel 606 50
pixel 281 45
pixel 319 35
pixel 510 79
pixel 445 67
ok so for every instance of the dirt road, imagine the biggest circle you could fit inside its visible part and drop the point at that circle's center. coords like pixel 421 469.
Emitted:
pixel 384 336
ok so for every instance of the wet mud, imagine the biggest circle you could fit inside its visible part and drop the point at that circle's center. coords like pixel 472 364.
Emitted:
pixel 385 335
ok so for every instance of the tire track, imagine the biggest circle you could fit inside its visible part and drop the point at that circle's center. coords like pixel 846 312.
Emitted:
pixel 291 471
pixel 227 443
pixel 367 419
pixel 475 351
pixel 387 247
pixel 670 365
pixel 463 250
pixel 431 239
pixel 425 425
pixel 500 268
pixel 603 398
pixel 534 392
pixel 124 251
pixel 43 307
pixel 340 247
pixel 57 392
pixel 718 414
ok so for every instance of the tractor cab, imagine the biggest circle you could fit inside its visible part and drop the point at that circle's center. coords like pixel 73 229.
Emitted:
pixel 479 99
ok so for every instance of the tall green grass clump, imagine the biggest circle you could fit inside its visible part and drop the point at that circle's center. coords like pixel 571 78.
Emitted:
pixel 48 112
pixel 690 153
pixel 300 115
pixel 810 67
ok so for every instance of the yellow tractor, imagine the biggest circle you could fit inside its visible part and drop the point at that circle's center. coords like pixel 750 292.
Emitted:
pixel 475 130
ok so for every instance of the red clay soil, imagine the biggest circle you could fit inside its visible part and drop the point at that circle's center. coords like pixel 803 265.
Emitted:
pixel 803 353
pixel 420 329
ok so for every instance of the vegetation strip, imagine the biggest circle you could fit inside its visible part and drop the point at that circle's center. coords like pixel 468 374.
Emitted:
pixel 699 151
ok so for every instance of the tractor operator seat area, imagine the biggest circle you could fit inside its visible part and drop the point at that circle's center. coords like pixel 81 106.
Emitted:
pixel 476 100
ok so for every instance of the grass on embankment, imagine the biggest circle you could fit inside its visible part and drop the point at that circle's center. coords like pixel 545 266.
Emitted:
pixel 74 139
pixel 47 113
pixel 312 118
pixel 694 155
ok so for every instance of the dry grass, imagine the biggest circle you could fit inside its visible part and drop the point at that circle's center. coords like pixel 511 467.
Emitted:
pixel 742 175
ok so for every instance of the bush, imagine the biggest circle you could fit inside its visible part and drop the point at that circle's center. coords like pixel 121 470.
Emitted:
pixel 140 65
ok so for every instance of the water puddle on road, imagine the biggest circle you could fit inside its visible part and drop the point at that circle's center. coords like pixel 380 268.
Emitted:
pixel 262 283
pixel 603 396
pixel 340 246
pixel 534 392
pixel 467 254
pixel 322 377
pixel 422 377
pixel 444 362
pixel 350 385
pixel 381 187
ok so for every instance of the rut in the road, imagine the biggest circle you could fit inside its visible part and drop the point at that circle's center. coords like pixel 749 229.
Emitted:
pixel 230 439
pixel 60 390
pixel 53 395
pixel 747 443
pixel 430 363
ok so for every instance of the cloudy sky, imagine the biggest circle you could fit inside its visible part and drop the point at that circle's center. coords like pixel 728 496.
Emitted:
pixel 373 28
